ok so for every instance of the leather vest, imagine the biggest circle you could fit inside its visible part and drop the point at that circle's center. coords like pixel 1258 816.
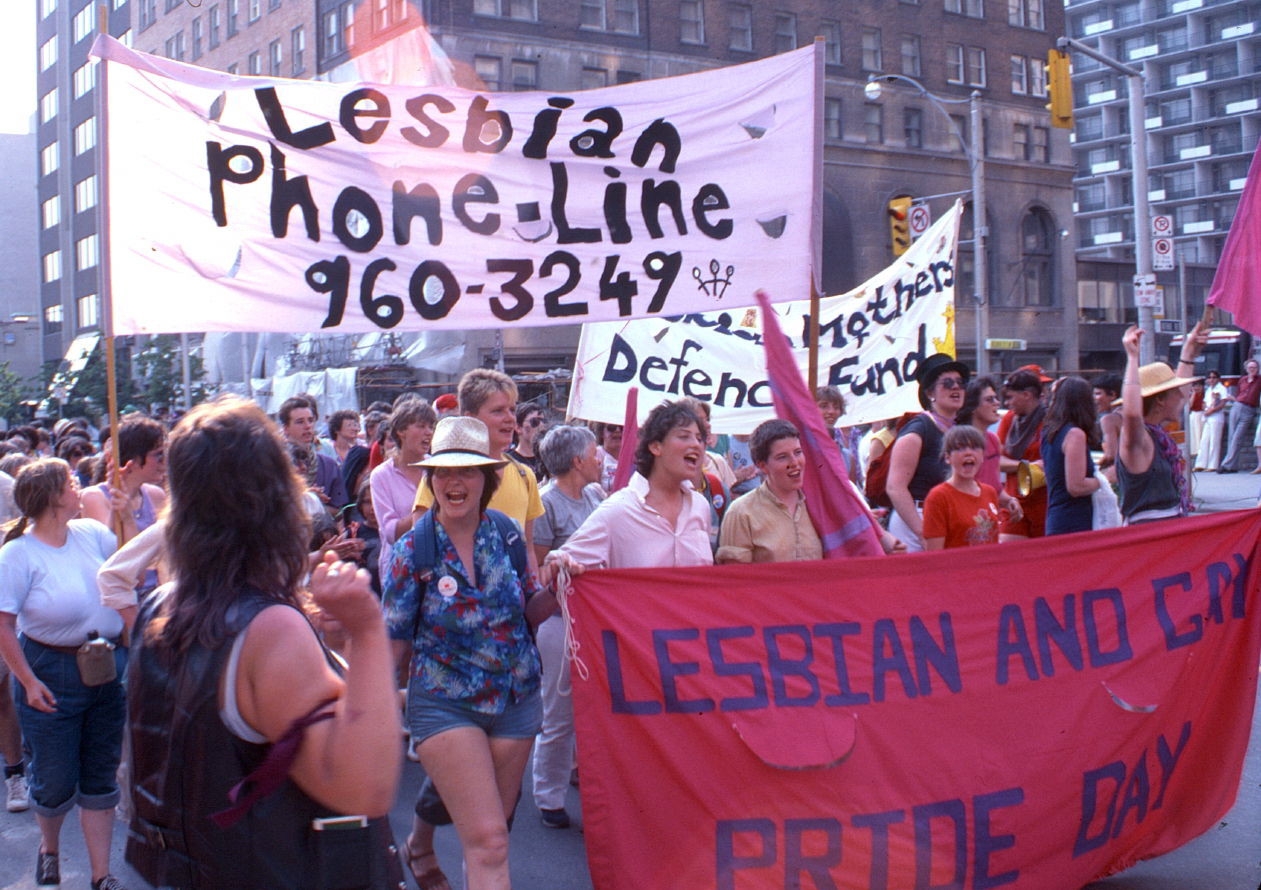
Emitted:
pixel 185 760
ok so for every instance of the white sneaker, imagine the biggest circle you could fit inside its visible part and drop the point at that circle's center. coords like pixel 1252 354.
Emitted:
pixel 19 794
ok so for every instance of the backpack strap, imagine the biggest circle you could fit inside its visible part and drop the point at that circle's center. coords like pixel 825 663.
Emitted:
pixel 424 547
pixel 514 540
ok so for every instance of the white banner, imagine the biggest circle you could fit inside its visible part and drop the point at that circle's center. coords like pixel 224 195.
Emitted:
pixel 871 342
pixel 264 204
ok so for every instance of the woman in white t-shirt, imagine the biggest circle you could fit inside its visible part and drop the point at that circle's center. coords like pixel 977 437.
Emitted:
pixel 48 594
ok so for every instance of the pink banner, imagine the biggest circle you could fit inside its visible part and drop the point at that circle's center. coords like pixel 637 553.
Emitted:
pixel 1032 715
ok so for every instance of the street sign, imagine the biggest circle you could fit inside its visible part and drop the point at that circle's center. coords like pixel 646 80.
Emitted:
pixel 1145 293
pixel 1162 225
pixel 1162 254
pixel 1006 344
pixel 1168 326
pixel 921 219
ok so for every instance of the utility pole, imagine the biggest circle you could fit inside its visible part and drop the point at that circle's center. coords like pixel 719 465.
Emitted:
pixel 1138 170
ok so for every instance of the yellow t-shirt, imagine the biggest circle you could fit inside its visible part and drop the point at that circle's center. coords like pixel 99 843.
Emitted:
pixel 517 495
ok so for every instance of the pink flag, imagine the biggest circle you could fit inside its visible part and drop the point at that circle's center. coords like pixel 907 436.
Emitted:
pixel 1237 284
pixel 630 441
pixel 840 518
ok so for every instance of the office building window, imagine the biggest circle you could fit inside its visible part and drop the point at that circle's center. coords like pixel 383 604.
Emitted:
pixel 740 27
pixel 48 53
pixel 525 75
pixel 125 38
pixel 234 15
pixel 273 58
pixel 872 57
pixel 954 63
pixel 913 127
pixel 625 76
pixel 85 136
pixel 212 26
pixel 49 158
pixel 85 194
pixel 85 253
pixel 339 29
pixel 256 63
pixel 146 13
pixel 84 78
pixel 234 68
pixel 831 33
pixel 1037 78
pixel 976 66
pixel 508 9
pixel 273 5
pixel 85 20
pixel 489 70
pixel 1025 14
pixel 175 46
pixel 297 51
pixel 873 123
pixel 50 211
pixel 52 266
pixel 47 8
pixel 594 78
pixel 88 310
pixel 620 16
pixel 1019 79
pixel 785 32
pixel 1020 142
pixel 1038 237
pixel 48 106
pixel 196 39
pixel 971 8
pixel 1041 151
pixel 832 127
pixel 691 21
pixel 911 56
pixel 255 10
pixel 52 319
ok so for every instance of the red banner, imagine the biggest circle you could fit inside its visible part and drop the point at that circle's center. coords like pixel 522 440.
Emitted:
pixel 1033 715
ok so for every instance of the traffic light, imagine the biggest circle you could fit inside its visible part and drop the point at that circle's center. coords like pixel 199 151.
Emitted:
pixel 900 224
pixel 1059 87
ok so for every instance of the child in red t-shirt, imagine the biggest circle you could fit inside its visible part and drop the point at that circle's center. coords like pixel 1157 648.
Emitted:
pixel 961 512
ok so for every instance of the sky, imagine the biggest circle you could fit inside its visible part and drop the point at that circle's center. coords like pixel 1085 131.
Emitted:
pixel 17 68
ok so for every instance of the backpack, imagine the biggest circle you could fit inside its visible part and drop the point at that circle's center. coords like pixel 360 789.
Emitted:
pixel 878 469
pixel 425 544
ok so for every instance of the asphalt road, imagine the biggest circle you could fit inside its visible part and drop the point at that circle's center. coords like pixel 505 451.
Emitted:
pixel 1227 857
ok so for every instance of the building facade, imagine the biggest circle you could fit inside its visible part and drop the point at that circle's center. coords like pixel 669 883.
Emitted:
pixel 20 346
pixel 1200 62
pixel 901 143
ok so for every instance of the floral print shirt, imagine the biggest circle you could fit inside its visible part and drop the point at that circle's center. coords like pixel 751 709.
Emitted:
pixel 471 644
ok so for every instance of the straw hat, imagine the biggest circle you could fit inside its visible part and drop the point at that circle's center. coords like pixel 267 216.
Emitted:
pixel 1157 378
pixel 460 442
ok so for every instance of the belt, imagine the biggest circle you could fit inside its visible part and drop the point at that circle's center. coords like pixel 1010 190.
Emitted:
pixel 64 650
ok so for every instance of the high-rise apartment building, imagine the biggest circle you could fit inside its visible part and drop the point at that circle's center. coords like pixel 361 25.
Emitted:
pixel 70 216
pixel 1201 62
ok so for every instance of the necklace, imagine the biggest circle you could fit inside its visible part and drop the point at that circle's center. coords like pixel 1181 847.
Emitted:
pixel 943 423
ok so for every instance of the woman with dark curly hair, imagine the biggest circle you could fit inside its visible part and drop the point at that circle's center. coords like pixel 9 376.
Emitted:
pixel 229 681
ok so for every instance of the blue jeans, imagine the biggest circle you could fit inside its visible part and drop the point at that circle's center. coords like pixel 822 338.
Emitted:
pixel 74 750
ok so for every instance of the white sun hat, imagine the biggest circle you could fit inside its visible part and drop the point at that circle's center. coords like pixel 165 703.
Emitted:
pixel 460 442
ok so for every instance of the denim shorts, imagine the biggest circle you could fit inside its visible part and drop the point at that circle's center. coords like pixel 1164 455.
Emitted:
pixel 76 749
pixel 427 716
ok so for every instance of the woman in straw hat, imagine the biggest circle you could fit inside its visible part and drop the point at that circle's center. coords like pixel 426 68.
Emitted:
pixel 457 596
pixel 1150 466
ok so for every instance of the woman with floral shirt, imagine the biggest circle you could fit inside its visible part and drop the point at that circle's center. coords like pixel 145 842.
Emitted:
pixel 473 705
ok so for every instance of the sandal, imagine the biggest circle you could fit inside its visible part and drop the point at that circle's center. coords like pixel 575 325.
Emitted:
pixel 431 878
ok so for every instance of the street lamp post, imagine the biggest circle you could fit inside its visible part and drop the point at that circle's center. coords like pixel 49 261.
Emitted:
pixel 976 166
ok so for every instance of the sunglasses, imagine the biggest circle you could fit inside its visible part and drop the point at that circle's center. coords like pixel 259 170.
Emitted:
pixel 534 421
pixel 951 383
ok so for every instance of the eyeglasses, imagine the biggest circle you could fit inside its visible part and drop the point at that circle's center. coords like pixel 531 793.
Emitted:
pixel 951 383
pixel 992 400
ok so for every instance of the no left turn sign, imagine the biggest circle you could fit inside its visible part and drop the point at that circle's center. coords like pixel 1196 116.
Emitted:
pixel 920 220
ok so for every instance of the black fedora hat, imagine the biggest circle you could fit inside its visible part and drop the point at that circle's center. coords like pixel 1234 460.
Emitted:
pixel 933 367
